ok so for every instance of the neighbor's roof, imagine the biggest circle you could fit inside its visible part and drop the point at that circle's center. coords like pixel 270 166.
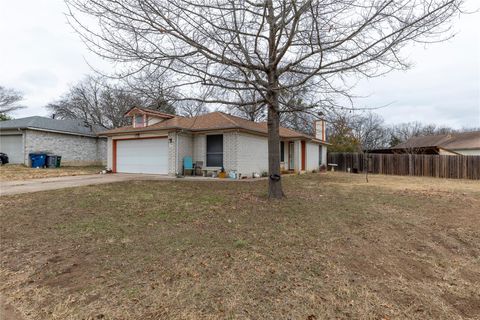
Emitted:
pixel 454 141
pixel 208 122
pixel 42 123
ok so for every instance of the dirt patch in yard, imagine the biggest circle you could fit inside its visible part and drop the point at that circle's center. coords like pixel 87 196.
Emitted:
pixel 12 172
pixel 7 312
pixel 336 247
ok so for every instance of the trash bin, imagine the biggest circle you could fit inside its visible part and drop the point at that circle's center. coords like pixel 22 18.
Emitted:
pixel 59 160
pixel 51 161
pixel 37 159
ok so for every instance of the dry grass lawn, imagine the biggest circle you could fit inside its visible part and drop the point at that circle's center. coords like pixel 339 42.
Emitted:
pixel 12 172
pixel 336 248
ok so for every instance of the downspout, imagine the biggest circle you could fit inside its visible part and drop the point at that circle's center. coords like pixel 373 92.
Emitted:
pixel 24 147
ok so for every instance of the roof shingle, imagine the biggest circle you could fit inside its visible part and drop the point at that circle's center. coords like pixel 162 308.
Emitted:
pixel 67 126
pixel 454 141
pixel 207 122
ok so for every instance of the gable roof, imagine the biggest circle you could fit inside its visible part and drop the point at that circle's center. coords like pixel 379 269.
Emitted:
pixel 148 111
pixel 77 127
pixel 210 122
pixel 454 141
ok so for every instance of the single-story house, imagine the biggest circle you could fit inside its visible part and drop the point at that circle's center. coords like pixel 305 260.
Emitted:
pixel 465 143
pixel 76 142
pixel 158 143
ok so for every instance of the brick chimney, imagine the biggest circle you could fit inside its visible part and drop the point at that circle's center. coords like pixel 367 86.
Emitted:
pixel 320 130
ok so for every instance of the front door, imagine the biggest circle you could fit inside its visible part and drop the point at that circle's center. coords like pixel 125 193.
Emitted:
pixel 291 154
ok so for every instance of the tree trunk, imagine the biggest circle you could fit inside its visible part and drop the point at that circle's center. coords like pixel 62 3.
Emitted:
pixel 275 184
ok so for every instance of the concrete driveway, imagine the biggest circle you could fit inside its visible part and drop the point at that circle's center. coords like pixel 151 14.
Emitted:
pixel 35 185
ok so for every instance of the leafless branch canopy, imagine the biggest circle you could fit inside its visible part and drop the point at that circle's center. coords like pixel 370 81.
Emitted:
pixel 259 45
pixel 9 99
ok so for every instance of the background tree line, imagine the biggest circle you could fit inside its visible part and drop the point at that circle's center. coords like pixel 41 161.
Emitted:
pixel 100 101
pixel 358 131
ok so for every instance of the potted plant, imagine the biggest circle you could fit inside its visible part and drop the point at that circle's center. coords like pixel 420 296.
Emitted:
pixel 222 173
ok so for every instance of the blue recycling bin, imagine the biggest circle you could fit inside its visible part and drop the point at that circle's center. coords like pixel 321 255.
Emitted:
pixel 38 160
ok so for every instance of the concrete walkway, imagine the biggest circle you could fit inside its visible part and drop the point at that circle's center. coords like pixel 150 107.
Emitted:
pixel 35 185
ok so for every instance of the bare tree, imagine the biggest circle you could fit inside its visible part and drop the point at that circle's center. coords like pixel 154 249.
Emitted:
pixel 9 99
pixel 153 92
pixel 341 135
pixel 404 131
pixel 96 102
pixel 101 101
pixel 369 130
pixel 189 109
pixel 270 47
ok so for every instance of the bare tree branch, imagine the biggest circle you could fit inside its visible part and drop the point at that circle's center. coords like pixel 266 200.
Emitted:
pixel 265 49
pixel 9 99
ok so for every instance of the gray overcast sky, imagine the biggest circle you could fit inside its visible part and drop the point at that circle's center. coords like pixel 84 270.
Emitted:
pixel 41 55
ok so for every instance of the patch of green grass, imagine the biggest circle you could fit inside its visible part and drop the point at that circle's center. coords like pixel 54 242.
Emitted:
pixel 95 226
pixel 211 199
pixel 132 292
pixel 156 215
pixel 239 244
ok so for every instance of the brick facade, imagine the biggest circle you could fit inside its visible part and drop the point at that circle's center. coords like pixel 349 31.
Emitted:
pixel 200 148
pixel 172 140
pixel 230 151
pixel 252 154
pixel 184 149
pixel 75 150
pixel 243 152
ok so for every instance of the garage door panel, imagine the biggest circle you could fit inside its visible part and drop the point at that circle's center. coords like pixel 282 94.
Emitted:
pixel 12 145
pixel 142 156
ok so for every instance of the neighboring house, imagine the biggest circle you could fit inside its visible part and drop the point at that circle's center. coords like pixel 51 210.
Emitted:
pixel 466 143
pixel 73 140
pixel 157 143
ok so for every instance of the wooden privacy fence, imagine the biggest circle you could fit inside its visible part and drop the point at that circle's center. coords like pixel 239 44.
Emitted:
pixel 424 165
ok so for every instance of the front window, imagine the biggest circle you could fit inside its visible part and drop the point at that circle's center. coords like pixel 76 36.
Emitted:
pixel 139 121
pixel 282 151
pixel 215 150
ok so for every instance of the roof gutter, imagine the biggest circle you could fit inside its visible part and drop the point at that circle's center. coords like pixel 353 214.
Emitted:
pixel 181 129
pixel 50 130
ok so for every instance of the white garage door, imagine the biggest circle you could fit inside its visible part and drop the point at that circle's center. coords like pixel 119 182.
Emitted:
pixel 13 147
pixel 142 156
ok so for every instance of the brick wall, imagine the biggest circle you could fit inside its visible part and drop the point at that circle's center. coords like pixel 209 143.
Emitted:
pixel 75 150
pixel 200 148
pixel 252 154
pixel 324 155
pixel 102 150
pixel 313 153
pixel 109 153
pixel 230 151
pixel 185 149
pixel 172 139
